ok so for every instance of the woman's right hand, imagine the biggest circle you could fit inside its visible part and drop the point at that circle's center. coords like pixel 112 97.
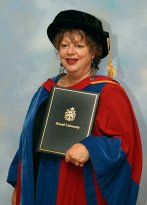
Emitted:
pixel 13 199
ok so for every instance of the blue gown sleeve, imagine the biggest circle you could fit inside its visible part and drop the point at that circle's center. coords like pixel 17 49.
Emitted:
pixel 13 170
pixel 40 95
pixel 112 152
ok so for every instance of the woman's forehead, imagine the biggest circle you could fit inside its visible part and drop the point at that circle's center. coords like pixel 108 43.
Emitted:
pixel 73 36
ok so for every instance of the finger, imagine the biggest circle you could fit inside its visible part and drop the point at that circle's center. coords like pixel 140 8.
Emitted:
pixel 81 165
pixel 76 164
pixel 67 157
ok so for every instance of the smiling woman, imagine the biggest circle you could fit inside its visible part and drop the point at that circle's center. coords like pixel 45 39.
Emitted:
pixel 76 57
pixel 77 50
pixel 104 168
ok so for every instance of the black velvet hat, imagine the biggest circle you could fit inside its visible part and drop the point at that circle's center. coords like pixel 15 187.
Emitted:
pixel 79 20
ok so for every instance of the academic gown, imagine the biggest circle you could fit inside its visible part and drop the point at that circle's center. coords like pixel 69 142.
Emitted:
pixel 111 175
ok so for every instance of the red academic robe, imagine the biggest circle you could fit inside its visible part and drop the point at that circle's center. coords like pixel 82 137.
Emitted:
pixel 113 172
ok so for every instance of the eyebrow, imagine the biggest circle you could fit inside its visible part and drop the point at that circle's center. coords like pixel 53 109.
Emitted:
pixel 78 41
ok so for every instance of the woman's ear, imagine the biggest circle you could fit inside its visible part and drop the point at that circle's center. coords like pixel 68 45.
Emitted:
pixel 93 55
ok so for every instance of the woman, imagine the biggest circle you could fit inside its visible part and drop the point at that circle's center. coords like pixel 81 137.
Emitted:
pixel 104 168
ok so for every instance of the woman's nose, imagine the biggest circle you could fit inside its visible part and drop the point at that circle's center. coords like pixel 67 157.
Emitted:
pixel 71 50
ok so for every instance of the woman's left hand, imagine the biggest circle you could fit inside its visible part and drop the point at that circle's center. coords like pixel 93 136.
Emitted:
pixel 77 154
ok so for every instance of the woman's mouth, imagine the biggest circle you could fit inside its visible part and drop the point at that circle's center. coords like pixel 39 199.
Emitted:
pixel 71 61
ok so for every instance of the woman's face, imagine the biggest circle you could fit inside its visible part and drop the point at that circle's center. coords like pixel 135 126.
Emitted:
pixel 75 56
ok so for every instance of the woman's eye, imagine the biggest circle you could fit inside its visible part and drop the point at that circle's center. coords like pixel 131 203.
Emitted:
pixel 79 46
pixel 64 45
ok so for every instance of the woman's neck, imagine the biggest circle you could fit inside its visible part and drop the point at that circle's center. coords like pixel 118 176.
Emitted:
pixel 70 79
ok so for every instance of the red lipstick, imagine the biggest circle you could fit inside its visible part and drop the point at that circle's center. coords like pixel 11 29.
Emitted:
pixel 71 61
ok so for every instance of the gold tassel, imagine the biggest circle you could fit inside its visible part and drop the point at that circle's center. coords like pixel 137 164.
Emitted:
pixel 111 68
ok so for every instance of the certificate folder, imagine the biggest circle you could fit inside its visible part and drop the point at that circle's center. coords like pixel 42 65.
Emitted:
pixel 68 120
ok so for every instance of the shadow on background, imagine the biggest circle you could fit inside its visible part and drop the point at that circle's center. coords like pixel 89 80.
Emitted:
pixel 142 198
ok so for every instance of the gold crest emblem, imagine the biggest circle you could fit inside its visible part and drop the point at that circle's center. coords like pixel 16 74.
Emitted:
pixel 70 114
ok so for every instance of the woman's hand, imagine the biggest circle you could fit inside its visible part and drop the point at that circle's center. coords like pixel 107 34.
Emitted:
pixel 77 154
pixel 13 200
